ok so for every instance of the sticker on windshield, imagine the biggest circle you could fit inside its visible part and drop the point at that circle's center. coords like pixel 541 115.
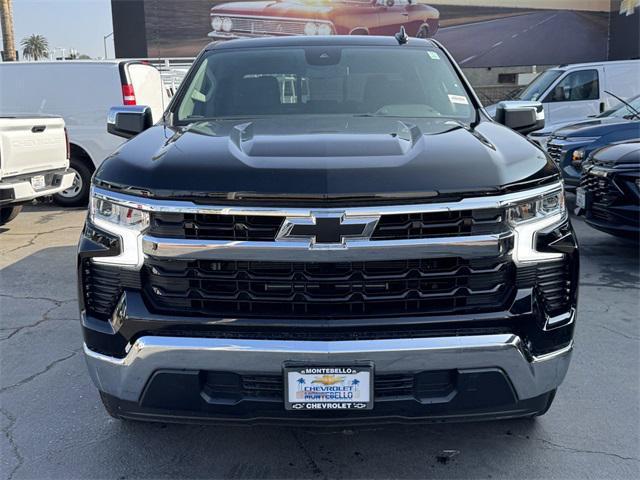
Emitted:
pixel 434 55
pixel 460 99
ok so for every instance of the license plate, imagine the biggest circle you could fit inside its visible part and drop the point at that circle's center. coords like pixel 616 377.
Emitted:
pixel 328 388
pixel 38 182
pixel 581 197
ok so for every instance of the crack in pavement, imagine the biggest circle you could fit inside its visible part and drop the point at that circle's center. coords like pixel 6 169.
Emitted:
pixel 42 372
pixel 564 448
pixel 48 299
pixel 43 319
pixel 32 241
pixel 7 431
pixel 625 335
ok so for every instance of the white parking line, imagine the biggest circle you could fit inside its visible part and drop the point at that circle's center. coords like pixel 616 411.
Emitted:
pixel 468 59
pixel 514 35
pixel 497 44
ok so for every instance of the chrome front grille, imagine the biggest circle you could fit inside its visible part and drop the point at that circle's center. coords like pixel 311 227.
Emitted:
pixel 266 26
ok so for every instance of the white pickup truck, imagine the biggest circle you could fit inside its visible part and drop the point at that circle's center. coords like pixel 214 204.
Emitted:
pixel 34 160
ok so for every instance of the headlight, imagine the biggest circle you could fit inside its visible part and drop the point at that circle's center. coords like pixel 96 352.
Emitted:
pixel 539 208
pixel 532 216
pixel 216 23
pixel 124 221
pixel 324 29
pixel 105 210
pixel 227 24
pixel 310 29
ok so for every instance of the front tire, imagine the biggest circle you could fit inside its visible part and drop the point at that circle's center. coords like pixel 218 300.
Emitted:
pixel 78 194
pixel 9 213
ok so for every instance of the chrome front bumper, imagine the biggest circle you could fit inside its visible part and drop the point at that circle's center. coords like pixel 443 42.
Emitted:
pixel 126 378
pixel 22 190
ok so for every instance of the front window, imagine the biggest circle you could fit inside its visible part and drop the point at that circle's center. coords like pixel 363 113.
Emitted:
pixel 576 86
pixel 626 111
pixel 362 81
pixel 539 85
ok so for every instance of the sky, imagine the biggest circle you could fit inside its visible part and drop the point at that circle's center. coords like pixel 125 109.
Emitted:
pixel 78 24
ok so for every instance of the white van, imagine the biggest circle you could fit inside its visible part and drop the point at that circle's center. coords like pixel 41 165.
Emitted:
pixel 575 92
pixel 82 92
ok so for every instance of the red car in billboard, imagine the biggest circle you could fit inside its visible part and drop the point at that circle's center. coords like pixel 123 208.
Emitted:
pixel 322 17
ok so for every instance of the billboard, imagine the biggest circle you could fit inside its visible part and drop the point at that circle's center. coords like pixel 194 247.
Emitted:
pixel 478 33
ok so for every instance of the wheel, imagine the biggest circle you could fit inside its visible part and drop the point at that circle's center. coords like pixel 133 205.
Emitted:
pixel 423 32
pixel 110 406
pixel 552 395
pixel 9 213
pixel 77 195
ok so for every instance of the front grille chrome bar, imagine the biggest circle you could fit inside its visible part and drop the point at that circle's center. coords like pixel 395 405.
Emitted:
pixel 185 206
pixel 477 246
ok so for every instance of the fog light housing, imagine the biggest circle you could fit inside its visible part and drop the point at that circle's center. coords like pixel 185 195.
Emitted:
pixel 577 157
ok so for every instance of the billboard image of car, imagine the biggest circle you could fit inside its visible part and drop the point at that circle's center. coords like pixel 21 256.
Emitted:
pixel 478 33
pixel 259 18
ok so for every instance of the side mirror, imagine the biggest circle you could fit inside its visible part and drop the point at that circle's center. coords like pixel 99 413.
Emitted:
pixel 129 121
pixel 522 116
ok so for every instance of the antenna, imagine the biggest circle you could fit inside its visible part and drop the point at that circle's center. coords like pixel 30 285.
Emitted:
pixel 401 36
pixel 163 92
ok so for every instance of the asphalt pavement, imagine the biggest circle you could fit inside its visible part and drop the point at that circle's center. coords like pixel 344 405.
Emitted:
pixel 550 37
pixel 53 425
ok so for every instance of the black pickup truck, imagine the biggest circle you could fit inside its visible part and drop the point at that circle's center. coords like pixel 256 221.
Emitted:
pixel 327 229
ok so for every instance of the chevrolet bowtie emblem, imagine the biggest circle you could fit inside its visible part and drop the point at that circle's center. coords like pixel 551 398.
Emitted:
pixel 327 228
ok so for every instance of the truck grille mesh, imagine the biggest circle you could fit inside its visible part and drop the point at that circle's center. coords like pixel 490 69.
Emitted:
pixel 555 151
pixel 603 194
pixel 552 281
pixel 103 285
pixel 328 290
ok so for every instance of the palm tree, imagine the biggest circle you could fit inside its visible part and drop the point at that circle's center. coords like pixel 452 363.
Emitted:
pixel 35 47
pixel 6 21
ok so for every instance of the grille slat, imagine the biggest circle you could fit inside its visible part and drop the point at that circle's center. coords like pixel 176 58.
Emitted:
pixel 328 290
pixel 267 26
pixel 555 151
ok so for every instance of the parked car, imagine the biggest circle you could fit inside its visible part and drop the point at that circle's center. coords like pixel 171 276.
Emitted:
pixel 625 109
pixel 376 248
pixel 81 92
pixel 34 161
pixel 609 192
pixel 571 145
pixel 322 17
pixel 574 92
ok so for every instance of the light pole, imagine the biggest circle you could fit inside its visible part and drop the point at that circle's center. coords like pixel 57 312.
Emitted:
pixel 104 39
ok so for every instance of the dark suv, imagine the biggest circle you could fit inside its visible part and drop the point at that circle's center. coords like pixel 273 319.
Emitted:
pixel 327 229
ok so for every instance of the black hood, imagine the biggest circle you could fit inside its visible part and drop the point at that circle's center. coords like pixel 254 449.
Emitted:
pixel 592 128
pixel 332 158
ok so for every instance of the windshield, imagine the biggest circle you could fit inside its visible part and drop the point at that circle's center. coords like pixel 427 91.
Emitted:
pixel 622 110
pixel 362 81
pixel 539 85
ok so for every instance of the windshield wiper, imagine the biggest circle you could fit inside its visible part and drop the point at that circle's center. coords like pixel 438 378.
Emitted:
pixel 635 112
